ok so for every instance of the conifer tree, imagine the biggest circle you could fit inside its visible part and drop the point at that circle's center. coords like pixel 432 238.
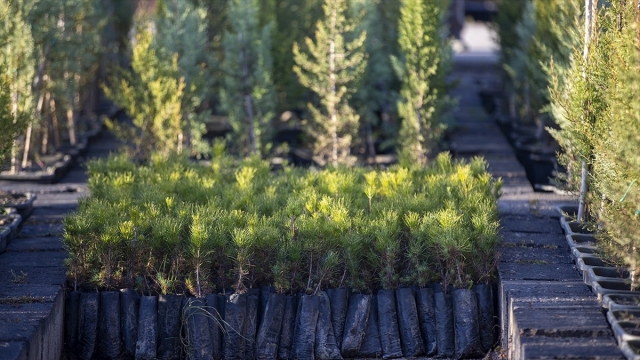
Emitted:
pixel 330 67
pixel 422 67
pixel 17 60
pixel 182 30
pixel 9 126
pixel 152 95
pixel 247 94
pixel 294 20
pixel 510 14
pixel 614 165
pixel 377 94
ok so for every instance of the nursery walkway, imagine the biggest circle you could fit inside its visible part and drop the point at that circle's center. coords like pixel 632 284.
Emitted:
pixel 545 309
pixel 32 272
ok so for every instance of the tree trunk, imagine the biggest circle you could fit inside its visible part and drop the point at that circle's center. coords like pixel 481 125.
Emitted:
pixel 44 146
pixel 71 121
pixel 27 146
pixel 54 122
pixel 588 28
pixel 252 147
pixel 332 79
pixel 371 150
pixel 251 131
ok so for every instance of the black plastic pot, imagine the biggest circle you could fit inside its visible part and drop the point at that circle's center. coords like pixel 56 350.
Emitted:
pixel 371 344
pixel 251 323
pixel 621 302
pixel 486 319
pixel 169 311
pixel 603 273
pixel 288 327
pixel 409 323
pixel 109 345
pixel 304 334
pixel 356 319
pixel 269 333
pixel 626 330
pixel 575 240
pixel 198 344
pixel 265 292
pixel 87 325
pixel 147 340
pixel 427 316
pixel 339 299
pixel 544 169
pixel 326 346
pixel 623 315
pixel 605 287
pixel 235 313
pixel 631 349
pixel 388 324
pixel 216 325
pixel 467 327
pixel 444 324
pixel 72 309
pixel 129 307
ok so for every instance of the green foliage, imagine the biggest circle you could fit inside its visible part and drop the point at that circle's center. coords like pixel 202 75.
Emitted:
pixel 173 225
pixel 182 30
pixel 50 50
pixel 422 66
pixel 598 118
pixel 377 93
pixel 152 95
pixel 10 127
pixel 330 67
pixel 248 95
pixel 17 63
pixel 544 31
pixel 165 92
pixel 294 20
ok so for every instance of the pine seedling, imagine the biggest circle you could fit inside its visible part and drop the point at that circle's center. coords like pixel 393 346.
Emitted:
pixel 329 67
pixel 417 252
pixel 386 251
pixel 451 242
pixel 200 249
pixel 166 246
pixel 370 188
pixel 79 241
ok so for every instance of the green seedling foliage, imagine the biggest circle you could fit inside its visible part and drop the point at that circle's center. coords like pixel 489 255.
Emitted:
pixel 177 226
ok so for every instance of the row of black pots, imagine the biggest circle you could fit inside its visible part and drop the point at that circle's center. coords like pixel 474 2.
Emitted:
pixel 538 158
pixel 21 202
pixel 260 324
pixel 57 164
pixel 611 284
pixel 9 227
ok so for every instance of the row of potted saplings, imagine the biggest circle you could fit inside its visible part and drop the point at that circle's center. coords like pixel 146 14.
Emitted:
pixel 262 324
pixel 612 284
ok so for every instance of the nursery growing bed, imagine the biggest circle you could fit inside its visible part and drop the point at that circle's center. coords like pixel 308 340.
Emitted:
pixel 288 241
pixel 9 226
pixel 54 168
pixel 21 202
